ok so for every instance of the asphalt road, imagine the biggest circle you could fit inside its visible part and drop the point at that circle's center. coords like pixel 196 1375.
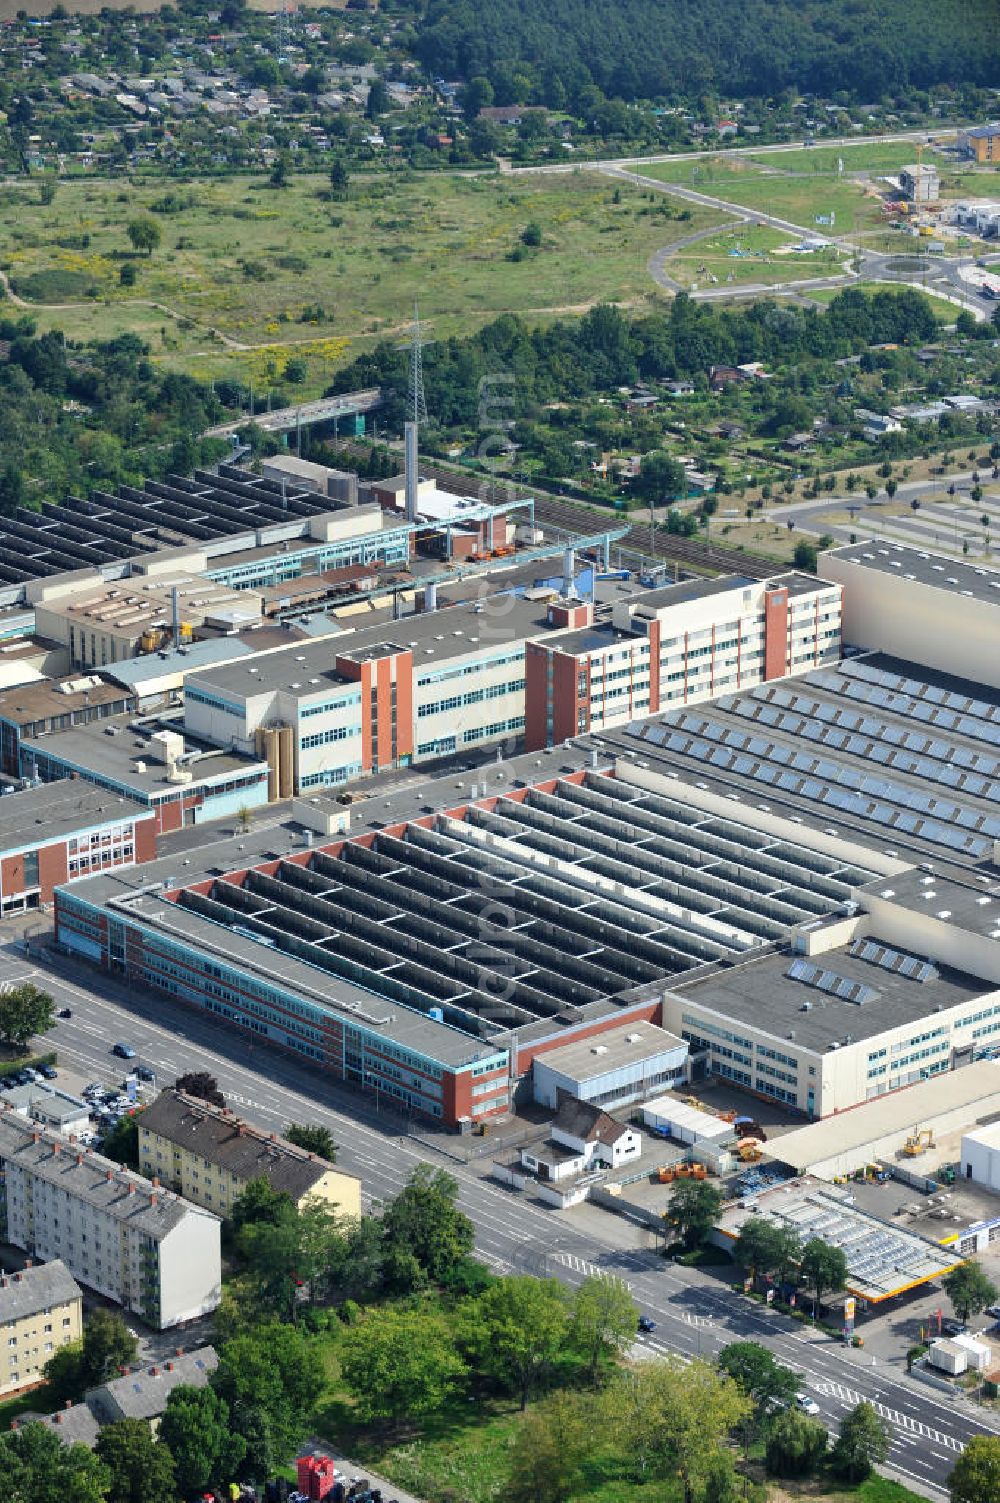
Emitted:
pixel 695 1312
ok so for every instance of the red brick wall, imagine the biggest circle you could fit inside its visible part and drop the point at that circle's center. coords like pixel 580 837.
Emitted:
pixel 404 704
pixel 145 839
pixel 654 667
pixel 775 633
pixel 565 698
pixel 53 868
pixel 648 1012
pixel 12 874
pixel 169 817
pixel 535 697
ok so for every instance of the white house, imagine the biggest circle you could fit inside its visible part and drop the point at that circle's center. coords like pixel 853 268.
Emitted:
pixel 583 1138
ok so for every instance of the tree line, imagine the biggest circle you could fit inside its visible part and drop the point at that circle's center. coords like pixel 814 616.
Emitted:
pixel 567 52
pixel 571 359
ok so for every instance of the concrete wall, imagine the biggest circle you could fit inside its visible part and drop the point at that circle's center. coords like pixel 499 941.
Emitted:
pixel 190 1268
pixel 981 1162
pixel 939 628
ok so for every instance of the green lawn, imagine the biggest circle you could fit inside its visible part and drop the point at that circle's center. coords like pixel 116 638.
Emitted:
pixel 242 264
pixel 798 199
pixel 749 253
pixel 862 156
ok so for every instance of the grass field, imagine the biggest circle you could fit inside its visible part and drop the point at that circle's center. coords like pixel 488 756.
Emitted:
pixel 864 156
pixel 799 185
pixel 241 264
pixel 750 253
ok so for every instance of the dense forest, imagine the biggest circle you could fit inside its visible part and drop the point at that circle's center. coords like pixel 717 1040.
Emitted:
pixel 603 350
pixel 79 418
pixel 682 49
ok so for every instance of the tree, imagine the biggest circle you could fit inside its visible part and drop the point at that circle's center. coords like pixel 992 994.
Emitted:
pixel 693 1210
pixel 121 1142
pixel 199 1083
pixel 424 1221
pixel 37 1467
pixel 127 274
pixel 400 1362
pixel 764 1381
pixel 340 178
pixel 531 235
pixel 660 478
pixel 280 172
pixel 477 95
pixel 976 1475
pixel 672 1419
pixel 267 1377
pixel 141 1468
pixel 969 1289
pixel 378 99
pixel 863 1443
pixel 108 1345
pixel 195 1429
pixel 805 556
pixel 796 1445
pixel 824 1268
pixel 313 1138
pixel 516 1330
pixel 604 1320
pixel 551 1446
pixel 144 233
pixel 25 1010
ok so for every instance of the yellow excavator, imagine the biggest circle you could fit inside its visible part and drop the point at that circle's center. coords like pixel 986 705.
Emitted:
pixel 918 1142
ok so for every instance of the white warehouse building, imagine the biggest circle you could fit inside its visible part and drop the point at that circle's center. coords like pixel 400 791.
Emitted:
pixel 139 1245
pixel 981 1156
pixel 915 605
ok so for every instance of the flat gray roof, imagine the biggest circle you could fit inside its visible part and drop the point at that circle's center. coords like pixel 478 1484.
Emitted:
pixel 585 1059
pixel 902 561
pixel 91 749
pixel 134 672
pixel 762 991
pixel 968 899
pixel 701 589
pixel 38 816
pixel 434 638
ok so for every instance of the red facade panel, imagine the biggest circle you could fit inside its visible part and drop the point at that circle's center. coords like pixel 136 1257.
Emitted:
pixel 53 868
pixel 775 633
pixel 535 697
pixel 404 704
pixel 565 697
pixel 654 667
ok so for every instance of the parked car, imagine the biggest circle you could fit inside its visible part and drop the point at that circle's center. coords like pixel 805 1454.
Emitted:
pixel 65 1012
pixel 123 1051
pixel 49 1071
pixel 143 1072
pixel 646 1324
pixel 954 1328
pixel 806 1404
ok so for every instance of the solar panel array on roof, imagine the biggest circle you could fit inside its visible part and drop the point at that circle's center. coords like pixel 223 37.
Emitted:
pixel 80 534
pixel 829 981
pixel 506 916
pixel 893 750
pixel 894 960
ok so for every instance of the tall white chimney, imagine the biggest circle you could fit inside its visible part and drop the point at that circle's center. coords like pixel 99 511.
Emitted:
pixel 412 469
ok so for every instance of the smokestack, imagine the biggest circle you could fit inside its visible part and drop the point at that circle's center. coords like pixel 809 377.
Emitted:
pixel 431 596
pixel 175 617
pixel 412 464
pixel 569 574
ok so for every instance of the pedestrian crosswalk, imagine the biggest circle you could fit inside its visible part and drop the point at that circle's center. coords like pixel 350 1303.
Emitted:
pixel 588 1269
pixel 894 1417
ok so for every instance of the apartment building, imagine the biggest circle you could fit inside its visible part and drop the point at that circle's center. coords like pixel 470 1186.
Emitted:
pixel 41 1309
pixel 210 1156
pixel 504 669
pixel 981 142
pixel 677 646
pixel 139 1245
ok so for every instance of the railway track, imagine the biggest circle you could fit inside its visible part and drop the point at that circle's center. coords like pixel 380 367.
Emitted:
pixel 573 516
